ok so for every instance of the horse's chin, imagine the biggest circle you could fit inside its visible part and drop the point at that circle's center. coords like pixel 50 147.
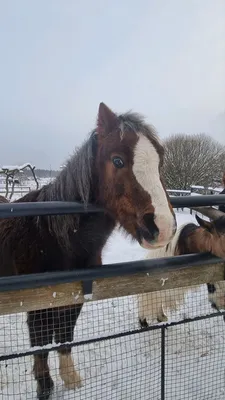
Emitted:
pixel 152 246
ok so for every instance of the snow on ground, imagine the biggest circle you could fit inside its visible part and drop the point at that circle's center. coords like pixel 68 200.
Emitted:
pixel 126 368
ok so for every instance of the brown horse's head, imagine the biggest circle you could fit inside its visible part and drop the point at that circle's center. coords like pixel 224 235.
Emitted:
pixel 128 165
pixel 213 234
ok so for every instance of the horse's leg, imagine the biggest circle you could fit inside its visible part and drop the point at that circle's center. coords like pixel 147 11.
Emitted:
pixel 66 318
pixel 40 324
pixel 64 330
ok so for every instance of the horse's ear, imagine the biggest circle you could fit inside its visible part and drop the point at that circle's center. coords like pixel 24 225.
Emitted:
pixel 106 121
pixel 203 223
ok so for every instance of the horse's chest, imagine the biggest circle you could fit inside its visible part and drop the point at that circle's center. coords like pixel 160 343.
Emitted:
pixel 84 247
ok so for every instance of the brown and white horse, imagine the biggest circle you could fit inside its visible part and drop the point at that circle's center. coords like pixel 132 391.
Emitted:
pixel 189 238
pixel 118 168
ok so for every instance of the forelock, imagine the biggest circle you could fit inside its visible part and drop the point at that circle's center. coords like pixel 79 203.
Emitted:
pixel 134 122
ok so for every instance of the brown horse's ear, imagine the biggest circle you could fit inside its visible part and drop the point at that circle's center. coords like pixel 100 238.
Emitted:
pixel 106 121
pixel 204 224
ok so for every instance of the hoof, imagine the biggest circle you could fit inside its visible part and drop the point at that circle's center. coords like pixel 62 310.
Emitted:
pixel 73 385
pixel 44 389
pixel 162 318
pixel 44 395
pixel 73 382
pixel 143 323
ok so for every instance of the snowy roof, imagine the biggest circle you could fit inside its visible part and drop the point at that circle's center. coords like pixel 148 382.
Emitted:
pixel 197 187
pixel 178 191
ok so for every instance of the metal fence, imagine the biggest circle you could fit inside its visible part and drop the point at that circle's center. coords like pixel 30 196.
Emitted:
pixel 182 358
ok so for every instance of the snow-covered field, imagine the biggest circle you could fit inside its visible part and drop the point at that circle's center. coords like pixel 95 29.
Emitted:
pixel 126 368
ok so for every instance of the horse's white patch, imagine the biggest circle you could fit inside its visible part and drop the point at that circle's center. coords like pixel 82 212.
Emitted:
pixel 146 171
pixel 166 251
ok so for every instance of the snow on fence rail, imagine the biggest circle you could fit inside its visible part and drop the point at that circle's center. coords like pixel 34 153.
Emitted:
pixel 180 360
pixel 178 192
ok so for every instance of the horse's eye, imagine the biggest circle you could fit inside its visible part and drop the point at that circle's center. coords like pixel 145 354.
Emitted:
pixel 118 162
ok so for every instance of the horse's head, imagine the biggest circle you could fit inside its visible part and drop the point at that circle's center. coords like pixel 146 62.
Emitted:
pixel 215 230
pixel 128 162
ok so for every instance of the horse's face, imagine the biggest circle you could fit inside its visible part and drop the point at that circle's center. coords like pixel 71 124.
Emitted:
pixel 128 165
pixel 216 234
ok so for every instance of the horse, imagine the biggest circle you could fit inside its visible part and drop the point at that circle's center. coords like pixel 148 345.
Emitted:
pixel 189 238
pixel 3 199
pixel 117 168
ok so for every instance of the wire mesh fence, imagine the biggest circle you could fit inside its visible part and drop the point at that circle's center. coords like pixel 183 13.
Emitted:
pixel 181 357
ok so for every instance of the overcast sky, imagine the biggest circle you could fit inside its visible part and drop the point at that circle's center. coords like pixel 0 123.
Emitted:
pixel 60 58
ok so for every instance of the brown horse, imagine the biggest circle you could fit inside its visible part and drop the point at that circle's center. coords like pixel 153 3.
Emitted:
pixel 190 238
pixel 117 168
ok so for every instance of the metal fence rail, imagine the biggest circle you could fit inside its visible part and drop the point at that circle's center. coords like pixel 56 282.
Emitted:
pixel 63 207
pixel 20 282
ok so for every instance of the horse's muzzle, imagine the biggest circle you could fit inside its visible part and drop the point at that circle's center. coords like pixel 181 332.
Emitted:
pixel 150 236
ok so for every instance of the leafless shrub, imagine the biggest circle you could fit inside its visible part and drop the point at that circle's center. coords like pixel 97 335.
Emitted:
pixel 192 160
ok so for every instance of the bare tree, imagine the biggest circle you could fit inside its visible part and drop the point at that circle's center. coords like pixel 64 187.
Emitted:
pixel 10 172
pixel 192 160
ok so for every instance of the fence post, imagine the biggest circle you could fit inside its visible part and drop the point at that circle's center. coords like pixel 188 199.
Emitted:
pixel 163 363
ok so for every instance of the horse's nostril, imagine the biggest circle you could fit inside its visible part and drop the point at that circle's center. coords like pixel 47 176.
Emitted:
pixel 149 223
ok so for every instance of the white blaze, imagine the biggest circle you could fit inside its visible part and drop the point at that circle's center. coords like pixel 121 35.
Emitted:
pixel 146 171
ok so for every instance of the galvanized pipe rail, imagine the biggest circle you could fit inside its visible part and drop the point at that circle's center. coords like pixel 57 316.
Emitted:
pixel 159 265
pixel 63 207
